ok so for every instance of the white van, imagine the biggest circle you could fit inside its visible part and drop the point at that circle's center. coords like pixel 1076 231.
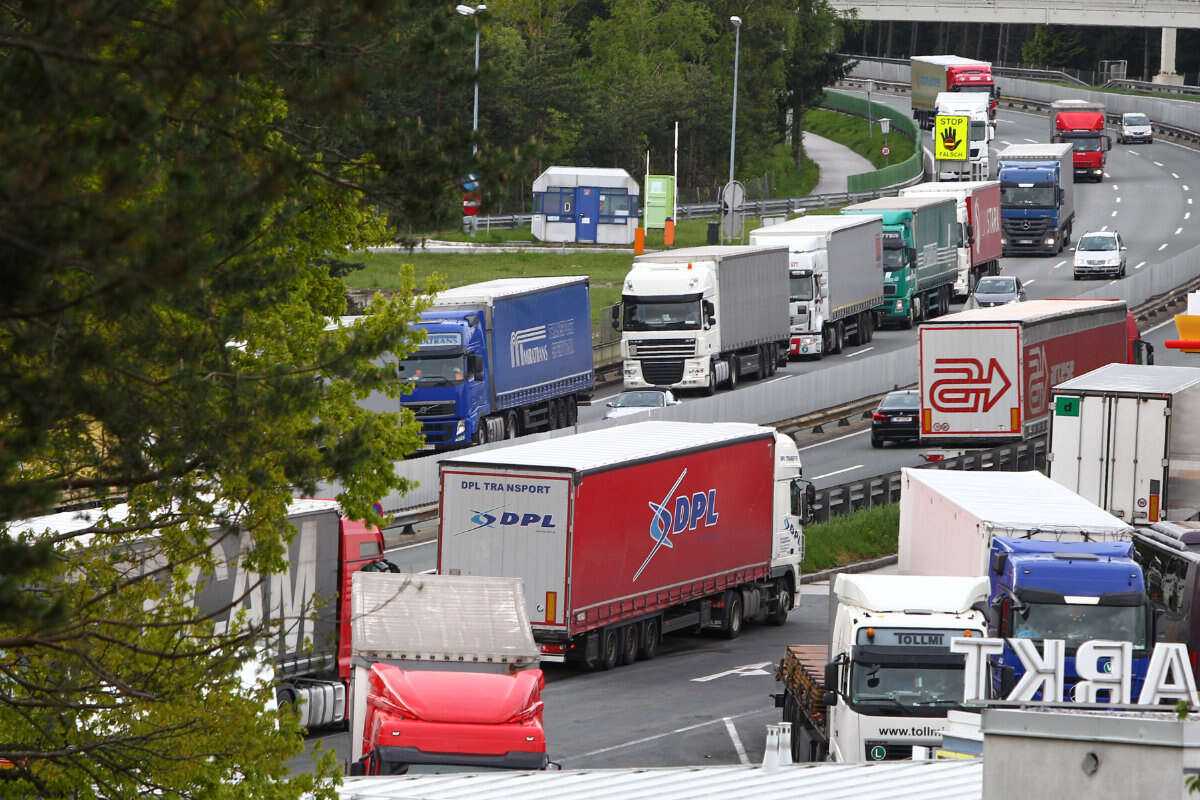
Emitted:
pixel 1135 127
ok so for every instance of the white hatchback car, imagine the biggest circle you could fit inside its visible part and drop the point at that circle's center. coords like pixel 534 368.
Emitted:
pixel 639 401
pixel 1100 253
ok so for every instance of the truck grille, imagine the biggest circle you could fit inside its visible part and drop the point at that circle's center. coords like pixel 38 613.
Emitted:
pixel 889 290
pixel 662 348
pixel 662 371
pixel 1025 228
pixel 422 410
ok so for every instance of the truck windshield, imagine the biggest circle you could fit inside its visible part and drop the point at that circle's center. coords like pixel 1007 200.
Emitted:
pixel 661 315
pixel 1077 624
pixel 800 288
pixel 908 685
pixel 1026 196
pixel 894 258
pixel 1136 119
pixel 433 370
pixel 1088 145
pixel 977 131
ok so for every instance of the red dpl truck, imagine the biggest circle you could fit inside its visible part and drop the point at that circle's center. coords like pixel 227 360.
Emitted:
pixel 624 534
pixel 978 208
pixel 1080 123
pixel 986 374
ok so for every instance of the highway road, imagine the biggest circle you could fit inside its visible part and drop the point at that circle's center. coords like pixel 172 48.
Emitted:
pixel 705 700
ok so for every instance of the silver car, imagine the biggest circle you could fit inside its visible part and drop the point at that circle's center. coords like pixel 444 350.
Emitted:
pixel 639 401
pixel 996 290
pixel 1100 253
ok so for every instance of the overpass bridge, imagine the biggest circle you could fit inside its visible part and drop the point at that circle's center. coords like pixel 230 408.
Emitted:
pixel 1166 14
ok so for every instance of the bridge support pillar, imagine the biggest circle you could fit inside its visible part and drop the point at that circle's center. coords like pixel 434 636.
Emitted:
pixel 1166 60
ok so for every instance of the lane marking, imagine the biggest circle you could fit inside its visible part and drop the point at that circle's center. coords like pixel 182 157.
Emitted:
pixel 1140 265
pixel 1107 175
pixel 1158 163
pixel 1133 152
pixel 411 546
pixel 1177 231
pixel 780 378
pixel 860 352
pixel 1185 187
pixel 1110 283
pixel 831 441
pixel 743 759
pixel 1189 201
pixel 1032 281
pixel 1006 144
pixel 745 669
pixel 1162 247
pixel 1187 215
pixel 675 732
pixel 1104 228
pixel 1163 324
pixel 1114 213
pixel 1035 141
pixel 1116 188
pixel 1060 264
pixel 1175 175
pixel 847 469
pixel 1118 199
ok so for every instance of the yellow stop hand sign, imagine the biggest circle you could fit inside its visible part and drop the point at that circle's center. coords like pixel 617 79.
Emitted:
pixel 950 138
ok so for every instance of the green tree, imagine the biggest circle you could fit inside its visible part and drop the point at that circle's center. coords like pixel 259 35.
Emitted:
pixel 1052 48
pixel 814 62
pixel 176 176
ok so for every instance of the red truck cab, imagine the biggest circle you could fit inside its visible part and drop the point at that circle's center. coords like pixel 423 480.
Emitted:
pixel 973 78
pixel 1080 123
pixel 433 716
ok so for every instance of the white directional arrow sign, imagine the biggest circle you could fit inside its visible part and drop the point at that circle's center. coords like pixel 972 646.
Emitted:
pixel 745 669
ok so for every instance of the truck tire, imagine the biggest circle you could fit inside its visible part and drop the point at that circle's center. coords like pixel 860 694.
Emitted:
pixel 733 615
pixel 733 373
pixel 572 411
pixel 510 425
pixel 783 603
pixel 481 433
pixel 839 337
pixel 651 636
pixel 629 643
pixel 610 648
pixel 711 389
pixel 869 321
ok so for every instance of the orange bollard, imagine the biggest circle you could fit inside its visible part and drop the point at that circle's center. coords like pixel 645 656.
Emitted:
pixel 639 241
pixel 669 233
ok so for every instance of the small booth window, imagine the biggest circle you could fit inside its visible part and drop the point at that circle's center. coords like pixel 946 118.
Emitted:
pixel 554 202
pixel 617 207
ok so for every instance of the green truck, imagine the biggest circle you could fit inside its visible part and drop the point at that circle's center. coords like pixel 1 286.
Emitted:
pixel 921 237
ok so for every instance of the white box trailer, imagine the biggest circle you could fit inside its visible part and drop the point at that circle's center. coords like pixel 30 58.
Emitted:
pixel 949 517
pixel 1126 437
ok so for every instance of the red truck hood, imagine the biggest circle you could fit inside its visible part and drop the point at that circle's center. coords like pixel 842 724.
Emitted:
pixel 446 696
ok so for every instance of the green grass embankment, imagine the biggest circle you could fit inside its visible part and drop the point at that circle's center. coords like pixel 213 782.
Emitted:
pixel 863 535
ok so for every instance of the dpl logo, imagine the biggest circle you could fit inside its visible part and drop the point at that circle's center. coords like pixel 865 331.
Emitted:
pixel 686 513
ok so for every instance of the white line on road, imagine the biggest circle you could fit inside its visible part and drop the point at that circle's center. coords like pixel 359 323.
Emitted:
pixel 675 732
pixel 847 469
pixel 1110 283
pixel 1178 231
pixel 829 441
pixel 1185 188
pixel 1175 175
pixel 1031 282
pixel 1162 247
pixel 1158 163
pixel 859 352
pixel 780 378
pixel 606 397
pixel 1107 175
pixel 1116 188
pixel 1006 144
pixel 1060 264
pixel 745 669
pixel 1164 323
pixel 1189 201
pixel 1140 265
pixel 1035 141
pixel 411 546
pixel 1118 199
pixel 1114 213
pixel 737 743
pixel 1133 152
pixel 1187 215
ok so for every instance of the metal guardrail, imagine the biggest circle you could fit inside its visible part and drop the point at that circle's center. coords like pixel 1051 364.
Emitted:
pixel 846 498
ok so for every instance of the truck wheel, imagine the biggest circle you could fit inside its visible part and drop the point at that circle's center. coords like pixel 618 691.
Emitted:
pixel 783 603
pixel 839 337
pixel 918 309
pixel 733 373
pixel 481 433
pixel 711 389
pixel 510 425
pixel 650 639
pixel 610 648
pixel 733 615
pixel 572 412
pixel 629 643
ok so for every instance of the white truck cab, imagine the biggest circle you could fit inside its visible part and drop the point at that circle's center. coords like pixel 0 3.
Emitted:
pixel 890 653
pixel 981 130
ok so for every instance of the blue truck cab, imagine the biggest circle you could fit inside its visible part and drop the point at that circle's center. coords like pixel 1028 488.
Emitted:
pixel 1075 591
pixel 1037 198
pixel 501 359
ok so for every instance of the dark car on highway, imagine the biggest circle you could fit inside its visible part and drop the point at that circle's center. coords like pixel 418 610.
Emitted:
pixel 897 419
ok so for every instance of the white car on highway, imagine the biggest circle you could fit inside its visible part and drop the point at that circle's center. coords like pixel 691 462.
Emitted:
pixel 1100 253
pixel 639 401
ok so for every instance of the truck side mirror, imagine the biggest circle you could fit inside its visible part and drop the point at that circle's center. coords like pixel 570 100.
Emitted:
pixel 912 256
pixel 970 234
pixel 710 312
pixel 616 316
pixel 829 698
pixel 475 365
pixel 998 562
pixel 831 682
pixel 1061 195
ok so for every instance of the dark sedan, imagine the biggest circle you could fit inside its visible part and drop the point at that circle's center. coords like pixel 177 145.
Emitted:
pixel 897 419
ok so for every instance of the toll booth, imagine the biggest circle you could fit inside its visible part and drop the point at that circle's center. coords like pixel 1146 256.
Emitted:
pixel 585 204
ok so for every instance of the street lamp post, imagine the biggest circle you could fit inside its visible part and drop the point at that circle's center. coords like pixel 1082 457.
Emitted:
pixel 737 41
pixel 474 11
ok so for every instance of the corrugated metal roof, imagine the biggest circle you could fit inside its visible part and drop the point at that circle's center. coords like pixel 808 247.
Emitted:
pixel 1018 500
pixel 1029 311
pixel 606 447
pixel 455 618
pixel 503 287
pixel 952 779
pixel 1135 378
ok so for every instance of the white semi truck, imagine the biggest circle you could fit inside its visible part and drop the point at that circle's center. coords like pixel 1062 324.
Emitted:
pixel 700 317
pixel 836 276
pixel 980 133
pixel 886 681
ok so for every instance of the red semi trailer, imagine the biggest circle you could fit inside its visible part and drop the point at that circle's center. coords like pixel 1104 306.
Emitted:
pixel 986 374
pixel 624 534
